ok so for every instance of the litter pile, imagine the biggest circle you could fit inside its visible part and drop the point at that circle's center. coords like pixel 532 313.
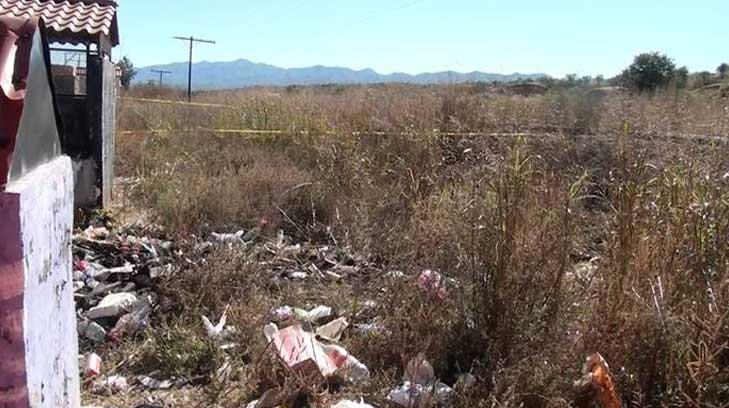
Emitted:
pixel 285 260
pixel 113 276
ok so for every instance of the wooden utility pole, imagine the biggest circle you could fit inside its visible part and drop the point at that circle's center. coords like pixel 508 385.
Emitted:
pixel 192 40
pixel 161 73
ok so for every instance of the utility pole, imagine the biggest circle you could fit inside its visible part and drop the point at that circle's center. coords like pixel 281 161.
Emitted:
pixel 192 40
pixel 161 73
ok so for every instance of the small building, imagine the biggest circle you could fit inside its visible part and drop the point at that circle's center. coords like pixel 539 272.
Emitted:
pixel 38 338
pixel 86 95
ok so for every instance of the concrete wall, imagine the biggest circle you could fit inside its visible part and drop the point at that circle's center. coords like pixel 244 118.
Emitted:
pixel 38 340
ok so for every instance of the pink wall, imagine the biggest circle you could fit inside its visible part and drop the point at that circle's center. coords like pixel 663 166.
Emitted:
pixel 13 390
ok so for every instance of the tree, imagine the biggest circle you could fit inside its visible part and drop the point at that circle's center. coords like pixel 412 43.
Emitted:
pixel 723 70
pixel 704 78
pixel 649 72
pixel 681 77
pixel 127 71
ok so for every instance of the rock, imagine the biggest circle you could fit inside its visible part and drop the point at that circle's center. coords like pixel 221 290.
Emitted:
pixel 95 332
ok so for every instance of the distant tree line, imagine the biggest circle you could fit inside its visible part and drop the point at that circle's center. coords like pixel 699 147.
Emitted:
pixel 649 72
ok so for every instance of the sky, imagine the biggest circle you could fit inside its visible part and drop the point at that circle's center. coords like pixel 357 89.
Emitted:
pixel 414 36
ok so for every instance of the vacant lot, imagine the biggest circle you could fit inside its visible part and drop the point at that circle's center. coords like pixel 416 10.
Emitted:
pixel 566 224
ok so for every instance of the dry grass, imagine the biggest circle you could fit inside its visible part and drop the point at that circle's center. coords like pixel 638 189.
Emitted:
pixel 606 231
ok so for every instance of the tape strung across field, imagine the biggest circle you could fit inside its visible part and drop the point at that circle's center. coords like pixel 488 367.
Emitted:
pixel 253 133
pixel 263 132
pixel 169 102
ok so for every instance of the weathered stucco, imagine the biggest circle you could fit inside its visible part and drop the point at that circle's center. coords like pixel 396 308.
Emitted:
pixel 36 225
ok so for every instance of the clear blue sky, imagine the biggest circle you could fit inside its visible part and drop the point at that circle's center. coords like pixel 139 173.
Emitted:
pixel 554 37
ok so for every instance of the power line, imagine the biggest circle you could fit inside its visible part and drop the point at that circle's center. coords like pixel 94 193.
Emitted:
pixel 192 40
pixel 161 74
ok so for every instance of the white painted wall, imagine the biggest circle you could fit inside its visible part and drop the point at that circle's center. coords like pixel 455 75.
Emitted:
pixel 51 343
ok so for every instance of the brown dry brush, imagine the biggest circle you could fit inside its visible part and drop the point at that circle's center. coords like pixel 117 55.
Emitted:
pixel 560 246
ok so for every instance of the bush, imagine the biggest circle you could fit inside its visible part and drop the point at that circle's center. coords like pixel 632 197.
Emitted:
pixel 649 72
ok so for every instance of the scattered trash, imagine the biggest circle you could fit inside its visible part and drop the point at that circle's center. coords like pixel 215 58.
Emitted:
pixel 154 384
pixel 304 354
pixel 224 372
pixel 96 233
pixel 236 238
pixel 114 305
pixel 314 315
pixel 371 329
pixel 466 381
pixel 352 404
pixel 420 386
pixel 290 251
pixel 102 274
pixel 275 397
pixel 133 322
pixel 283 313
pixel 115 274
pixel 215 332
pixel 433 284
pixel 93 366
pixel 596 385
pixel 220 332
pixel 297 275
pixel 419 371
pixel 164 271
pixel 110 386
pixel 333 330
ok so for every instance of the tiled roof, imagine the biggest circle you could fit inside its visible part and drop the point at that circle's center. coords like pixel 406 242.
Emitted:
pixel 69 16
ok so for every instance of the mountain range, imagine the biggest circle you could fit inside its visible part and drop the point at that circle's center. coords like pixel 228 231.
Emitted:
pixel 243 73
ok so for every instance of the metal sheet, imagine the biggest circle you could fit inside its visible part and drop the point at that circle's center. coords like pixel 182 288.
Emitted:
pixel 37 140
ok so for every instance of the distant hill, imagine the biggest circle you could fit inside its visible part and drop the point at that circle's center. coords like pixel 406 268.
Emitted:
pixel 243 73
